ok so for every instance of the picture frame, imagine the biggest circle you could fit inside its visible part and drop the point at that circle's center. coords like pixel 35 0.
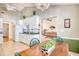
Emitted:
pixel 67 23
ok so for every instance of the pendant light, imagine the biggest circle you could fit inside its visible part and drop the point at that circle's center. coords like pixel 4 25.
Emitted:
pixel 42 6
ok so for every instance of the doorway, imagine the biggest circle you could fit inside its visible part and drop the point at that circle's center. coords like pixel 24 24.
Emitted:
pixel 8 32
pixel 48 28
pixel 5 32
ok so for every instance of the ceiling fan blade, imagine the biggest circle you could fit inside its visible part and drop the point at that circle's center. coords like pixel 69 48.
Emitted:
pixel 10 8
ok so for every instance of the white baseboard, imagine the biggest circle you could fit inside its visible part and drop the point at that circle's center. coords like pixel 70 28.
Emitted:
pixel 70 38
pixel 73 54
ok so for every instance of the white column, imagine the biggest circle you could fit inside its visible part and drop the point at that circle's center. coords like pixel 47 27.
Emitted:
pixel 1 31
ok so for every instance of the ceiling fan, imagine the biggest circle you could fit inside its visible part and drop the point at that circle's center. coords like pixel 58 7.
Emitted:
pixel 10 8
pixel 42 6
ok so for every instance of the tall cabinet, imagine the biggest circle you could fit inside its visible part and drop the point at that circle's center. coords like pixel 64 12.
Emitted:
pixel 29 28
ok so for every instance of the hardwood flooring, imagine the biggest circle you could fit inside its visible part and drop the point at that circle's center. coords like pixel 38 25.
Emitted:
pixel 10 48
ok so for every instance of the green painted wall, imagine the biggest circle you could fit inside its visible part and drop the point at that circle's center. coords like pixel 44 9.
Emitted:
pixel 73 45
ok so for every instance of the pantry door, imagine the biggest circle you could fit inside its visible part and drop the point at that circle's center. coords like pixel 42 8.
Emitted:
pixel 5 32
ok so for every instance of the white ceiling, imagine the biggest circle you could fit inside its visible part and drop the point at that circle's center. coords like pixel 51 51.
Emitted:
pixel 20 6
pixel 33 4
pixel 23 7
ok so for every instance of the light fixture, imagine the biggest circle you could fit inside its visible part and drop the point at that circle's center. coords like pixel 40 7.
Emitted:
pixel 42 6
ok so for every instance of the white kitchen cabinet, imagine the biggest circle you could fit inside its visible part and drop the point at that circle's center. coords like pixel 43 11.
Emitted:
pixel 28 30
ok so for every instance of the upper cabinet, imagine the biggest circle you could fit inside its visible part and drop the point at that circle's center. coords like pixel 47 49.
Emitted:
pixel 31 25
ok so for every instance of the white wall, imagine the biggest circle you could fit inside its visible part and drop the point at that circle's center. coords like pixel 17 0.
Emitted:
pixel 11 18
pixel 62 12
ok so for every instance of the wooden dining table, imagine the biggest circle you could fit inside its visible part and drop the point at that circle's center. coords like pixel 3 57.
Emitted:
pixel 33 51
pixel 61 49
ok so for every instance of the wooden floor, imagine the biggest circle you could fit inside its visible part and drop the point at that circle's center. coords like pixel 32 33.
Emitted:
pixel 9 48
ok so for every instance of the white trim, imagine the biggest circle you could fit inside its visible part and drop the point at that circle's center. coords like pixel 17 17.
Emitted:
pixel 73 54
pixel 70 38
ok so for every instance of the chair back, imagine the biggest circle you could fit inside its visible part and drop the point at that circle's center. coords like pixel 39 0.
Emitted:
pixel 34 41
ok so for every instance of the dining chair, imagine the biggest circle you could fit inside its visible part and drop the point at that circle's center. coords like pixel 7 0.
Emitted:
pixel 34 41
